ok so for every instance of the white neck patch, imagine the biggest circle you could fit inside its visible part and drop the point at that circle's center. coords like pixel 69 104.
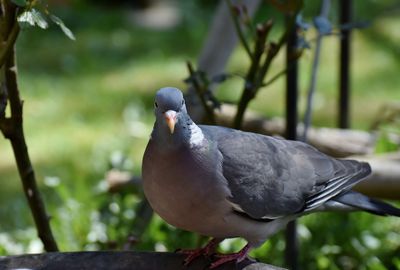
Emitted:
pixel 196 135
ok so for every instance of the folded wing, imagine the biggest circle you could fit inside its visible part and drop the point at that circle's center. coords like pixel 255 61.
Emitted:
pixel 270 177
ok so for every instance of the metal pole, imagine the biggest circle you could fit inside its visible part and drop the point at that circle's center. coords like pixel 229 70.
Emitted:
pixel 291 251
pixel 344 87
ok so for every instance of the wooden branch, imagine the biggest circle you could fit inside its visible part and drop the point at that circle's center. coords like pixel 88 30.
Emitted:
pixel 20 149
pixel 332 141
pixel 12 127
pixel 384 181
pixel 127 260
pixel 7 46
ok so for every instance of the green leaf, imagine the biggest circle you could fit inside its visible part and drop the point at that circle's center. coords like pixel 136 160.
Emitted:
pixel 21 3
pixel 64 28
pixel 384 144
pixel 31 18
pixel 26 19
pixel 39 19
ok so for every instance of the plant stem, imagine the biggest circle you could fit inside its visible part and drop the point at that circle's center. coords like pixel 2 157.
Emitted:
pixel 12 127
pixel 274 78
pixel 310 95
pixel 200 92
pixel 250 86
pixel 7 45
pixel 20 149
pixel 238 29
pixel 249 92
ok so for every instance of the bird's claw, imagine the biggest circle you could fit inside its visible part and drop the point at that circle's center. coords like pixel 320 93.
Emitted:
pixel 193 254
pixel 224 258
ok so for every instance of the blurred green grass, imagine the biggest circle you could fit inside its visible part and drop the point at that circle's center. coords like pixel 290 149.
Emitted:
pixel 88 100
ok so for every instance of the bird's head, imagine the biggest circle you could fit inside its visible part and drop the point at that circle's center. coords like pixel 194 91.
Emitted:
pixel 169 107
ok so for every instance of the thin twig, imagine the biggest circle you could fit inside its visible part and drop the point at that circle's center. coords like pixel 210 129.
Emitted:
pixel 238 28
pixel 249 93
pixel 7 45
pixel 200 92
pixel 310 95
pixel 247 21
pixel 262 33
pixel 3 100
pixel 273 51
pixel 24 164
pixel 274 78
pixel 250 86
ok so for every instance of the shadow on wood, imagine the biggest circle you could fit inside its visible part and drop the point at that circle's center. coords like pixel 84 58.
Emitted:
pixel 109 260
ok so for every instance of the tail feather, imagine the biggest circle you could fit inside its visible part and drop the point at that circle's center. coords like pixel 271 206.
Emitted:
pixel 366 203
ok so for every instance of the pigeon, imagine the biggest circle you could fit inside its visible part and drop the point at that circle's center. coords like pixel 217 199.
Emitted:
pixel 225 183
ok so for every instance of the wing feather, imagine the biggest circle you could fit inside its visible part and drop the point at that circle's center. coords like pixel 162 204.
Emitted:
pixel 270 177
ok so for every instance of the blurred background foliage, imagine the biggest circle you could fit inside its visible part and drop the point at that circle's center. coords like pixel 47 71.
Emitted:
pixel 88 105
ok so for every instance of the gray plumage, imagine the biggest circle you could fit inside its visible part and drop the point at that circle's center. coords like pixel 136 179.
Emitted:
pixel 225 183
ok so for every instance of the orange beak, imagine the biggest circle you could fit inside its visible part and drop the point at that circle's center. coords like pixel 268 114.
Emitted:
pixel 170 118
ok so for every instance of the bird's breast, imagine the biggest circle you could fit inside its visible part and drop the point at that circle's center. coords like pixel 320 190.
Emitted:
pixel 179 186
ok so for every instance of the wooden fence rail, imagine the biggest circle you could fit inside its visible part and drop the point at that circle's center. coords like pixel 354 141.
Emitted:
pixel 109 260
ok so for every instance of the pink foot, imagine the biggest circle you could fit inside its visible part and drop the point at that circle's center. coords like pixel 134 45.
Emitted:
pixel 195 253
pixel 237 257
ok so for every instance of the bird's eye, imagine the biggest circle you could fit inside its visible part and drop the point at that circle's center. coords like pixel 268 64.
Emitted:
pixel 183 102
pixel 155 104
